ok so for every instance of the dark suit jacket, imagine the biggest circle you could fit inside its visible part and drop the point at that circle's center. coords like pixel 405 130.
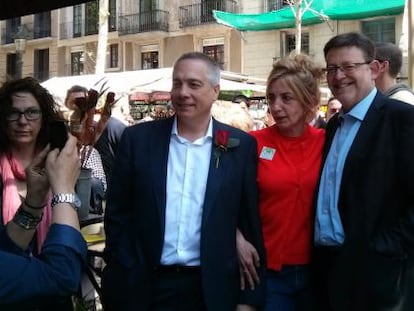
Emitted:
pixel 108 142
pixel 374 268
pixel 135 219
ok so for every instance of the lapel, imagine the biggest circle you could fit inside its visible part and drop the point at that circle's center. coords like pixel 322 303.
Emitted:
pixel 158 151
pixel 331 128
pixel 363 136
pixel 215 176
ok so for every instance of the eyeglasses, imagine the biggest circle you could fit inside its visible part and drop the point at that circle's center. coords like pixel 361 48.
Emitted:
pixel 345 68
pixel 30 114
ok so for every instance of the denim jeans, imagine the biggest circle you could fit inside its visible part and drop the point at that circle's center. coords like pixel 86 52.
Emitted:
pixel 289 289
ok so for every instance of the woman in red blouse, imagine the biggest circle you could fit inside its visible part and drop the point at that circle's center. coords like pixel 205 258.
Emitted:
pixel 289 158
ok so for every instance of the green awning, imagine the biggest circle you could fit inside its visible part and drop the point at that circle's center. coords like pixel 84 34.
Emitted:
pixel 333 9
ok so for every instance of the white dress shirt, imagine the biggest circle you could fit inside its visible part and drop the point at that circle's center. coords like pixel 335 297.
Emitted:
pixel 187 172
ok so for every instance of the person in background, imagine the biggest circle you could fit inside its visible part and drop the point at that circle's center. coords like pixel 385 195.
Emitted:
pixel 389 57
pixel 108 141
pixel 232 114
pixel 26 111
pixel 319 121
pixel 27 282
pixel 76 96
pixel 242 101
pixel 179 189
pixel 364 227
pixel 289 157
pixel 333 107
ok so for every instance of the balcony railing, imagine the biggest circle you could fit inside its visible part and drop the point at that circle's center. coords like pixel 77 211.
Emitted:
pixel 32 31
pixel 202 13
pixel 69 31
pixel 155 20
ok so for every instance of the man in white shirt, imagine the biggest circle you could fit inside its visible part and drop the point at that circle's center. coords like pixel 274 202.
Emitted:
pixel 180 189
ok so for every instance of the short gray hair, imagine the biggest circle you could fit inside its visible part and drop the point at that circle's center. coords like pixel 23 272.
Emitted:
pixel 213 74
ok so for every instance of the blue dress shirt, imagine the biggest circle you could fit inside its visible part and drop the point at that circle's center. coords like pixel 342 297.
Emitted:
pixel 57 270
pixel 328 225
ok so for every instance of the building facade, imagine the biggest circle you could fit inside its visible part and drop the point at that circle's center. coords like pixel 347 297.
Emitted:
pixel 144 34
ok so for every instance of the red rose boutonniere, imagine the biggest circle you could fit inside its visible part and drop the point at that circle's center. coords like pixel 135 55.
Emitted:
pixel 222 141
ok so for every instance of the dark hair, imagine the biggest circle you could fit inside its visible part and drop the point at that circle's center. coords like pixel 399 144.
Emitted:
pixel 240 99
pixel 213 67
pixel 331 99
pixel 352 39
pixel 387 51
pixel 46 102
pixel 75 89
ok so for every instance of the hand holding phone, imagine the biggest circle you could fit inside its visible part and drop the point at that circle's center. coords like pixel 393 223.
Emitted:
pixel 58 134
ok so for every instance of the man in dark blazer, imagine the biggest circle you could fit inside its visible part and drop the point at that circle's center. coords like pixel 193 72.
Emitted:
pixel 179 189
pixel 364 228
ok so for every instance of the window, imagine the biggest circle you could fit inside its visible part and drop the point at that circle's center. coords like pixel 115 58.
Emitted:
pixel 207 7
pixel 91 17
pixel 11 66
pixel 112 16
pixel 273 5
pixel 12 26
pixel 380 30
pixel 148 5
pixel 290 43
pixel 41 64
pixel 76 63
pixel 113 56
pixel 216 53
pixel 149 60
pixel 42 25
pixel 77 21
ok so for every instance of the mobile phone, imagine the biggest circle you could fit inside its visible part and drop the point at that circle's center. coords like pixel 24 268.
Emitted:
pixel 58 134
pixel 81 103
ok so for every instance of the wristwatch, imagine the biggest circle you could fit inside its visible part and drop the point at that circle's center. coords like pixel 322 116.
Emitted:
pixel 26 220
pixel 71 198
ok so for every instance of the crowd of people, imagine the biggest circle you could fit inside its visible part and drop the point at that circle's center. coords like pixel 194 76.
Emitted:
pixel 204 212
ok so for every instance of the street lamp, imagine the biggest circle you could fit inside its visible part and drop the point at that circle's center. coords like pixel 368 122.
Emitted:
pixel 20 39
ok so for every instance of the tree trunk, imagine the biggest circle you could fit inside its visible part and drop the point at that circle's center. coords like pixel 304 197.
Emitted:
pixel 298 19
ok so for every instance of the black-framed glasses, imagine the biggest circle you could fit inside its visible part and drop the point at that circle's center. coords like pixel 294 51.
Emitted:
pixel 345 68
pixel 30 114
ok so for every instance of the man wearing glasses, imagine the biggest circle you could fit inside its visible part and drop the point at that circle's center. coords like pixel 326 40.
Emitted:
pixel 364 226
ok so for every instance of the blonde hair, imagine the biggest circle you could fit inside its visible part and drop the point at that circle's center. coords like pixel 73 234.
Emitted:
pixel 232 114
pixel 302 75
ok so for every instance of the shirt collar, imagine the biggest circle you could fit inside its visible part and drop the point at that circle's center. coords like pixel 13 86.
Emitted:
pixel 209 134
pixel 360 110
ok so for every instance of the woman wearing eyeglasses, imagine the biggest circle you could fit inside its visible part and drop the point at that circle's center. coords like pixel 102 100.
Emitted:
pixel 26 110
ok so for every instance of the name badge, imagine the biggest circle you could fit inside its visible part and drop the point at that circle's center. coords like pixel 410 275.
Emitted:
pixel 267 153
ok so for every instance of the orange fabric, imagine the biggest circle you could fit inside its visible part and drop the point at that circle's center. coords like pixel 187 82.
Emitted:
pixel 286 184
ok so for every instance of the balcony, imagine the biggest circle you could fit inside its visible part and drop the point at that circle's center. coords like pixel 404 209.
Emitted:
pixel 155 20
pixel 71 30
pixel 33 31
pixel 202 13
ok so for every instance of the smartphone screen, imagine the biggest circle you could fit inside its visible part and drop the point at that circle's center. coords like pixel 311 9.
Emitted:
pixel 58 134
